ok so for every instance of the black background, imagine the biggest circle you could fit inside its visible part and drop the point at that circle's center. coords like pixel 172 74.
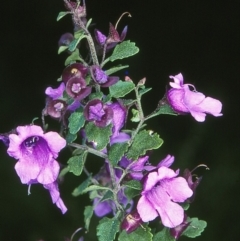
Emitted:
pixel 200 39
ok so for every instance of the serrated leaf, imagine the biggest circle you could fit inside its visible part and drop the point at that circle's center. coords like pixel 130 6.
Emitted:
pixel 195 228
pixel 73 57
pixel 76 122
pixel 61 15
pixel 61 49
pixel 107 229
pixel 99 135
pixel 133 184
pixel 121 88
pixel 116 152
pixel 136 117
pixel 143 142
pixel 108 195
pixel 124 50
pixel 88 212
pixel 70 137
pixel 140 234
pixel 131 193
pixel 76 164
pixel 80 189
pixel 95 188
pixel 163 235
pixel 115 69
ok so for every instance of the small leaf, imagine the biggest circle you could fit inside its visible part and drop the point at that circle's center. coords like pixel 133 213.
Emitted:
pixel 88 212
pixel 97 95
pixel 115 69
pixel 76 164
pixel 76 122
pixel 80 189
pixel 61 49
pixel 144 91
pixel 163 235
pixel 135 117
pixel 116 152
pixel 89 22
pixel 195 228
pixel 124 50
pixel 121 88
pixel 73 45
pixel 133 184
pixel 61 15
pixel 108 195
pixel 95 187
pixel 78 34
pixel 143 142
pixel 131 193
pixel 165 110
pixel 73 57
pixel 100 136
pixel 140 234
pixel 70 137
pixel 107 229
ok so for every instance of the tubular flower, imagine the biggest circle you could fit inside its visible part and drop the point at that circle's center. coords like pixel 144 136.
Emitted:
pixel 161 191
pixel 183 100
pixel 36 153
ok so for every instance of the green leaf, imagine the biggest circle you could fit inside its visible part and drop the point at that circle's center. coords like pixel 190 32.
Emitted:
pixel 107 229
pixel 78 34
pixel 88 212
pixel 135 117
pixel 89 22
pixel 121 88
pixel 131 193
pixel 99 135
pixel 73 57
pixel 195 228
pixel 61 15
pixel 70 137
pixel 76 122
pixel 115 69
pixel 95 187
pixel 116 152
pixel 80 189
pixel 76 164
pixel 133 184
pixel 163 235
pixel 142 142
pixel 97 95
pixel 140 234
pixel 72 46
pixel 61 49
pixel 108 195
pixel 143 91
pixel 124 50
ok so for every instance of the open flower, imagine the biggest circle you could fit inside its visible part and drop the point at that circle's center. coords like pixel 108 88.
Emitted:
pixel 36 153
pixel 161 191
pixel 183 100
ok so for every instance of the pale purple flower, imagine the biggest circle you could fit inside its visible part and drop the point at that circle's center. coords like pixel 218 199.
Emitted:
pixel 36 152
pixel 161 190
pixel 184 100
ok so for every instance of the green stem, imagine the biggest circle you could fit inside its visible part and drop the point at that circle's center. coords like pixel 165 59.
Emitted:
pixel 89 149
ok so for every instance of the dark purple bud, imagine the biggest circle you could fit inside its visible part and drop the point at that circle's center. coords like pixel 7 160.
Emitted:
pixel 100 37
pixel 98 113
pixel 74 70
pixel 177 231
pixel 192 184
pixel 131 222
pixel 77 88
pixel 65 39
pixel 56 108
pixel 113 36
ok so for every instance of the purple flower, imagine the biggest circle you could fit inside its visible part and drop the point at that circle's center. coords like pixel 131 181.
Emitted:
pixel 55 93
pixel 36 152
pixel 98 113
pixel 161 191
pixel 183 100
pixel 65 39
pixel 55 108
pixel 131 222
pixel 101 78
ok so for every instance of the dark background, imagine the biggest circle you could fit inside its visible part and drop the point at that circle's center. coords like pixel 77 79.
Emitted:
pixel 200 39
